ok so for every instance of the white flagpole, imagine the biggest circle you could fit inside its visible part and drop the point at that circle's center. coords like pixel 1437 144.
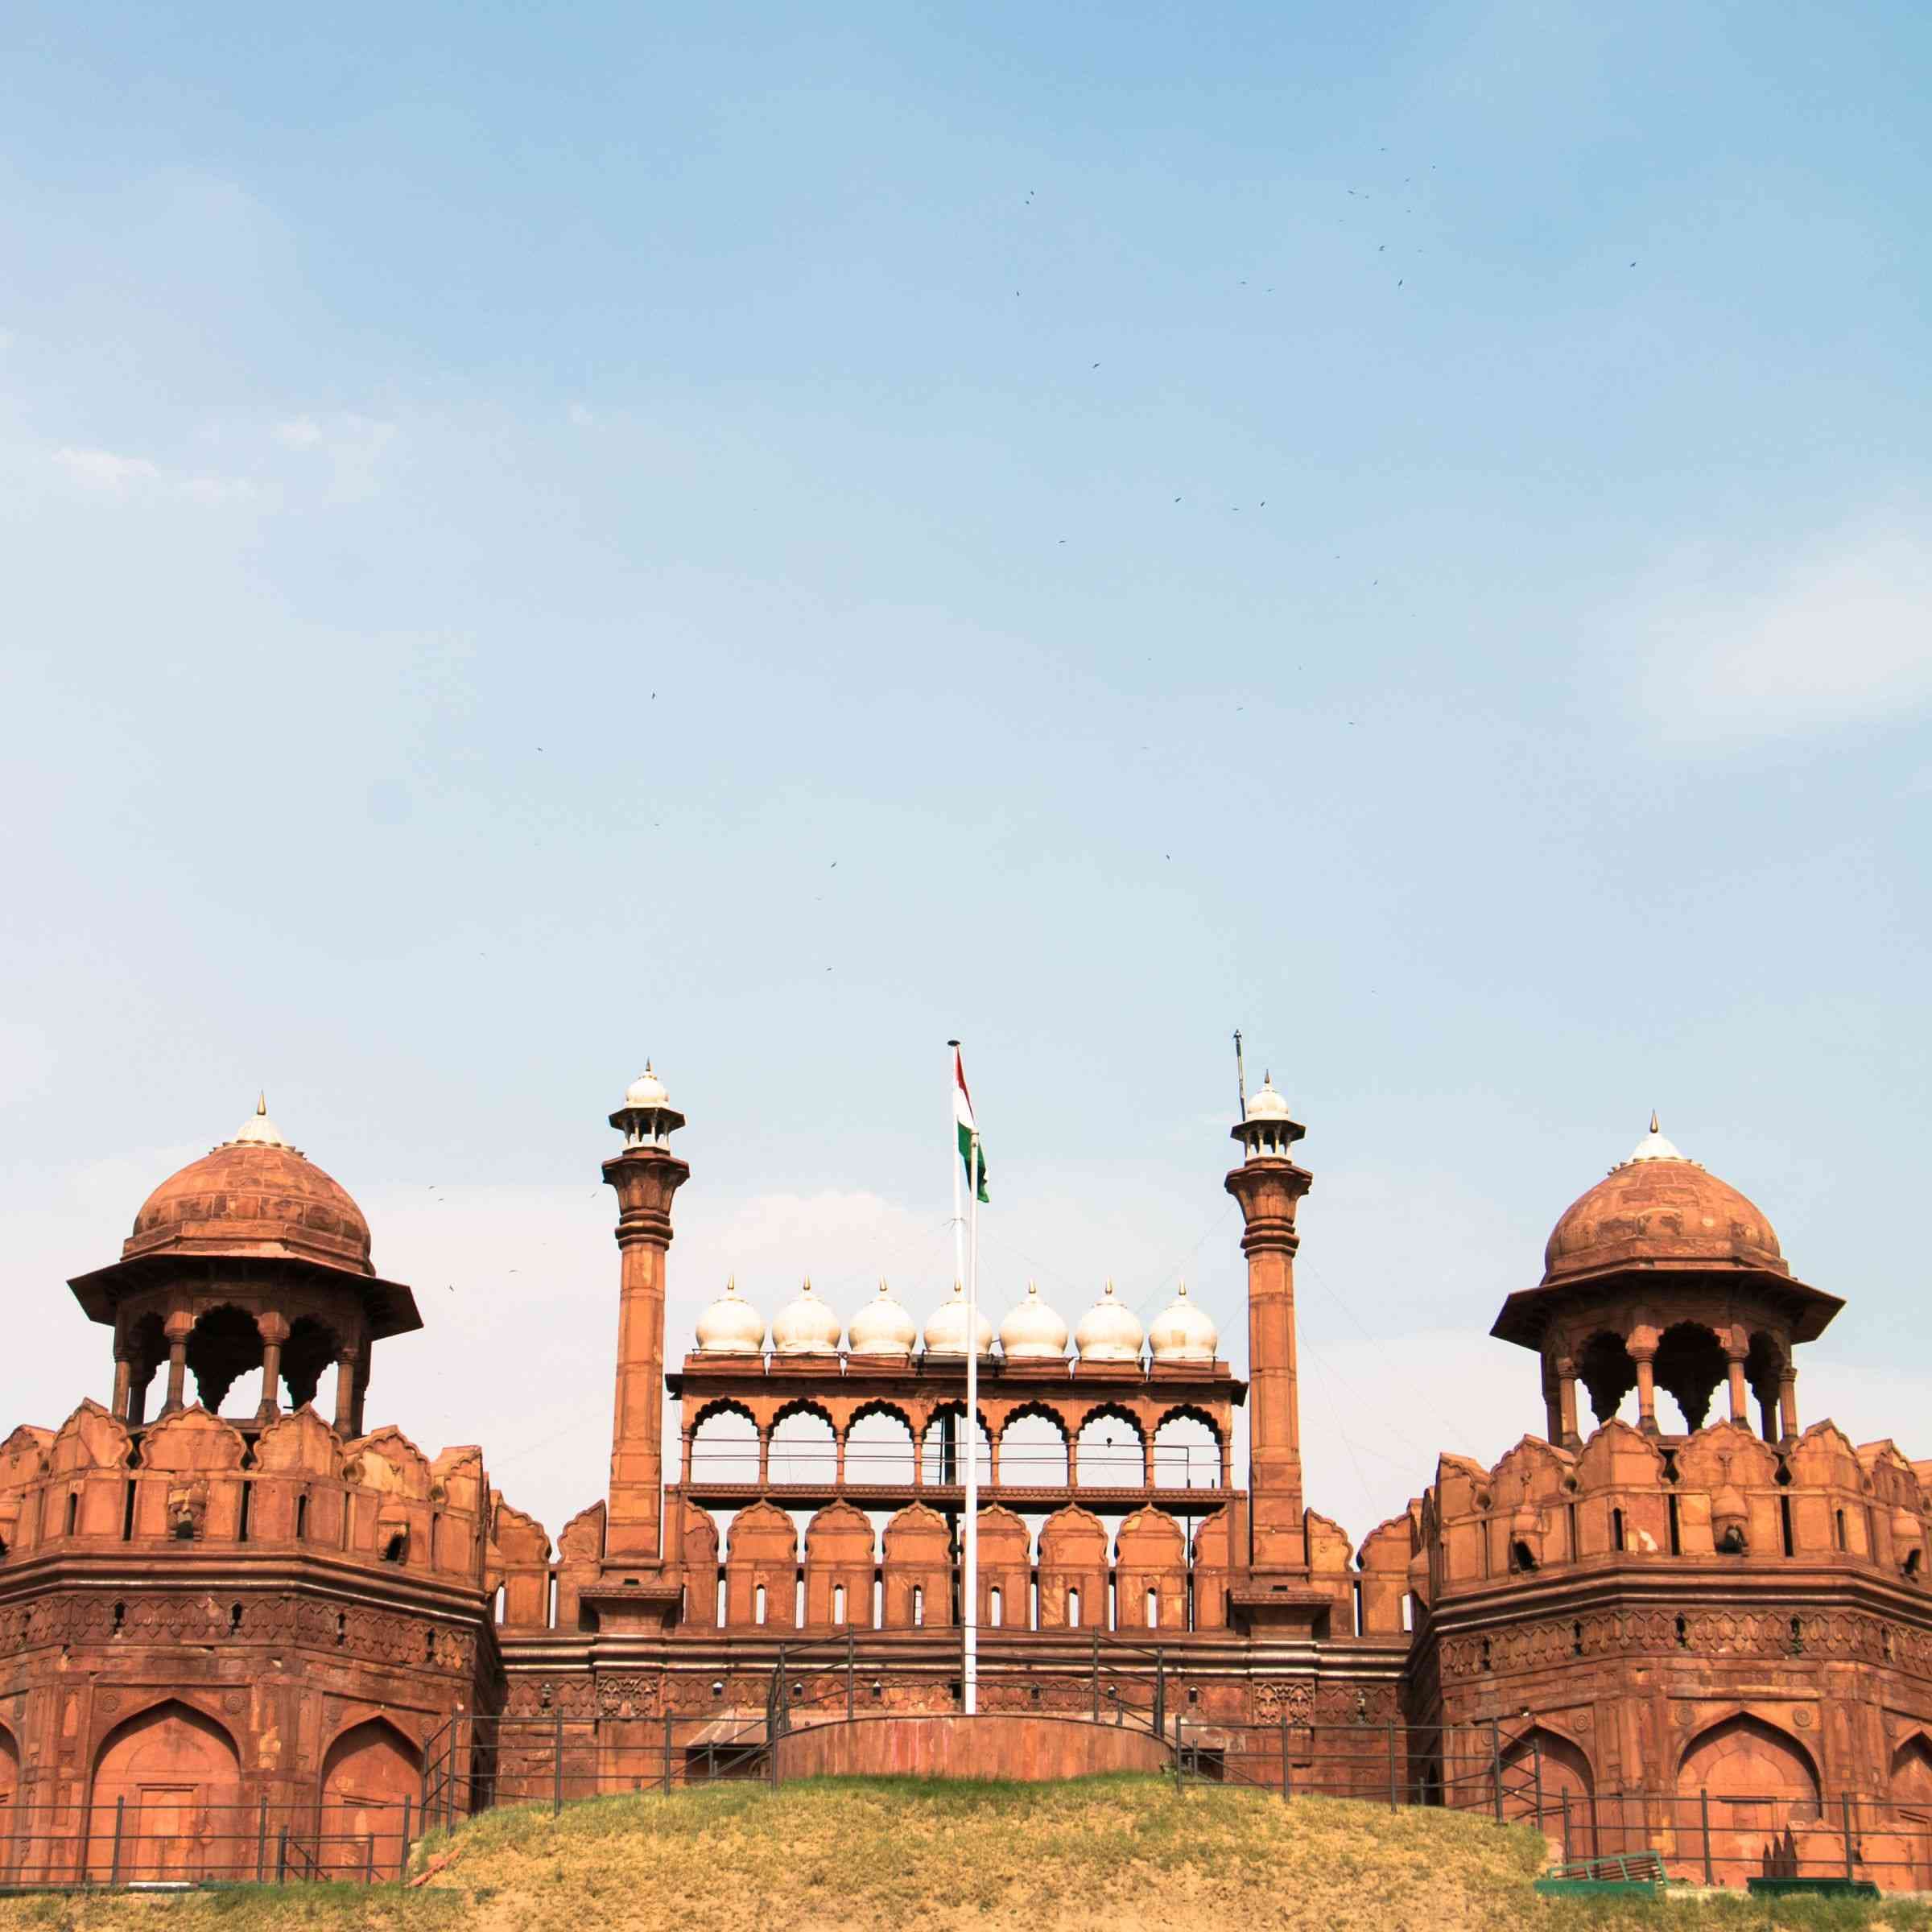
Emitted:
pixel 970 1606
pixel 952 1142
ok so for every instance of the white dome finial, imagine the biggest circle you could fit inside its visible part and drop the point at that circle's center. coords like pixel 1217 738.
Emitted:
pixel 1109 1331
pixel 882 1328
pixel 806 1326
pixel 1032 1331
pixel 258 1130
pixel 1264 1104
pixel 946 1328
pixel 1654 1147
pixel 1182 1332
pixel 731 1326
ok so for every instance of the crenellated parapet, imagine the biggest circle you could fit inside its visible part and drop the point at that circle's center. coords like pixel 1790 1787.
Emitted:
pixel 193 1485
pixel 1721 1496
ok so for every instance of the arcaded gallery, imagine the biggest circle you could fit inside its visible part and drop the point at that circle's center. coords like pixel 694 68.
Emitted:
pixel 244 1634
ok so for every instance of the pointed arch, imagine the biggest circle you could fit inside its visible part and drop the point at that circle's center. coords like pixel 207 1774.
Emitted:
pixel 1034 1441
pixel 803 1443
pixel 880 1444
pixel 1112 1447
pixel 725 1441
pixel 1909 1788
pixel 368 1773
pixel 10 1792
pixel 224 1345
pixel 1543 1763
pixel 177 1775
pixel 1743 1758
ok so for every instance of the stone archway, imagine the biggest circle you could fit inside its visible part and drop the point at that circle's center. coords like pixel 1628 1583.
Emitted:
pixel 1760 1782
pixel 172 1777
pixel 9 1786
pixel 371 1770
pixel 1910 1790
pixel 1543 1767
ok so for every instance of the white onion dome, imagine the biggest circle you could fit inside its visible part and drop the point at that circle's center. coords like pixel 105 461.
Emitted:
pixel 1109 1331
pixel 1654 1147
pixel 731 1326
pixel 805 1326
pixel 258 1130
pixel 1032 1332
pixel 646 1090
pixel 1182 1332
pixel 1267 1105
pixel 882 1327
pixel 946 1328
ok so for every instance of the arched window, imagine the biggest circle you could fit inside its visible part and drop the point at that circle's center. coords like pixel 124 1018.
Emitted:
pixel 725 1447
pixel 1111 1455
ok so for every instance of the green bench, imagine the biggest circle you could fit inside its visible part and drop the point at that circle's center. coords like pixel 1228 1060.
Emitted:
pixel 1627 1874
pixel 1812 1887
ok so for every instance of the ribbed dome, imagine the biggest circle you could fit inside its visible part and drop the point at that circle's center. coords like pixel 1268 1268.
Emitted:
pixel 1109 1331
pixel 1659 1207
pixel 1267 1105
pixel 805 1326
pixel 883 1328
pixel 946 1328
pixel 1032 1332
pixel 255 1196
pixel 1182 1332
pixel 731 1326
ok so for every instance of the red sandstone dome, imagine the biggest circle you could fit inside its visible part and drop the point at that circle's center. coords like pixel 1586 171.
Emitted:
pixel 1658 1208
pixel 254 1196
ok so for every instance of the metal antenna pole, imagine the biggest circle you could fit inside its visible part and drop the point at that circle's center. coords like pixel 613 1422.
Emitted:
pixel 1241 1075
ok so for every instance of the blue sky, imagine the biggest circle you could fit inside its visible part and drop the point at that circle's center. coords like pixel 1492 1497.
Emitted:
pixel 532 539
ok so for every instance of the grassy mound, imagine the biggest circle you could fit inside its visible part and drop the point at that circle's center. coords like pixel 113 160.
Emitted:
pixel 849 1854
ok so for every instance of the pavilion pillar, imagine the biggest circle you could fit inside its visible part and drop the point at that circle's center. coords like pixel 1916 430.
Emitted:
pixel 273 1331
pixel 1740 1396
pixel 1646 1389
pixel 345 1392
pixel 180 1326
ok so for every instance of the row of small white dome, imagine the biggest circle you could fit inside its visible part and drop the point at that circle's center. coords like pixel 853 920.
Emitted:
pixel 1109 1331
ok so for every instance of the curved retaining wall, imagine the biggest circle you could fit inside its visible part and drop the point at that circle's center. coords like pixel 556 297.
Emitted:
pixel 1027 1748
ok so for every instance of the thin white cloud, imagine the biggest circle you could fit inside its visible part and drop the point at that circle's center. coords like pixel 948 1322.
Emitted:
pixel 352 447
pixel 108 473
pixel 1742 650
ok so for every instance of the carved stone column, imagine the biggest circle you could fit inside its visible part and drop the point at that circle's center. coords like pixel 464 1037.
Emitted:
pixel 273 1329
pixel 180 1326
pixel 1740 1396
pixel 346 1364
pixel 1645 1359
pixel 1572 1437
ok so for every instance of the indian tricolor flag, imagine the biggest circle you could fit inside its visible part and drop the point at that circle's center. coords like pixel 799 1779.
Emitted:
pixel 962 1114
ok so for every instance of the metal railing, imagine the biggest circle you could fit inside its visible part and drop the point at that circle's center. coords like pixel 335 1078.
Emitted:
pixel 165 1838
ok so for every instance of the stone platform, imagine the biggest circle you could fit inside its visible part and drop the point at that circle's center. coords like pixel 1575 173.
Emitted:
pixel 1028 1749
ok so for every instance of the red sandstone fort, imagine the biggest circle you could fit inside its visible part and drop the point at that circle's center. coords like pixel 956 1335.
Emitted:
pixel 235 1619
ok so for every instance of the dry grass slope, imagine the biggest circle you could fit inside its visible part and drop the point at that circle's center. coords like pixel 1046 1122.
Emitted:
pixel 841 1856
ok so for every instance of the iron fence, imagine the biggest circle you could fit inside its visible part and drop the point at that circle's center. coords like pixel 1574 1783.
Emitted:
pixel 162 1837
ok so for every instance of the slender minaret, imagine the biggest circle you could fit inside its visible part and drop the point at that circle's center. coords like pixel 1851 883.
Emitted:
pixel 645 1175
pixel 1270 1188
